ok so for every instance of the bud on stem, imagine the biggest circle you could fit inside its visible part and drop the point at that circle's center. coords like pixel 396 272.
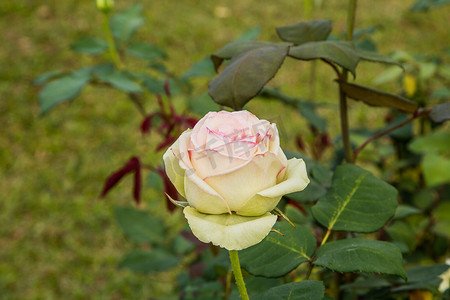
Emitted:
pixel 105 5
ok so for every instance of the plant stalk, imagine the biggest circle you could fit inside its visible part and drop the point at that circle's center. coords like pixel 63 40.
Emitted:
pixel 343 109
pixel 234 258
pixel 418 114
pixel 111 45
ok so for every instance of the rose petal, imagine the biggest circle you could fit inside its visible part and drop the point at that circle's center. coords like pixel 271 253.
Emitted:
pixel 231 232
pixel 209 163
pixel 264 201
pixel 258 205
pixel 203 197
pixel 282 157
pixel 173 168
pixel 296 180
pixel 238 186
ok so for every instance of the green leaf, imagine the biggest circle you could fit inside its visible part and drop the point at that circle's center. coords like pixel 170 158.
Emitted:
pixel 141 261
pixel 246 75
pixel 440 113
pixel 145 51
pixel 90 45
pixel 402 235
pixel 388 75
pixel 375 97
pixel 357 201
pixel 182 245
pixel 425 273
pixel 376 57
pixel 60 90
pixel 122 81
pixel 303 32
pixel 234 48
pixel 125 23
pixel 311 193
pixel 361 255
pixel 139 225
pixel 436 169
pixel 201 290
pixel 277 255
pixel 442 219
pixel 202 68
pixel 102 69
pixel 47 76
pixel 436 142
pixel 153 85
pixel 423 278
pixel 403 211
pixel 339 52
pixel 250 34
pixel 303 290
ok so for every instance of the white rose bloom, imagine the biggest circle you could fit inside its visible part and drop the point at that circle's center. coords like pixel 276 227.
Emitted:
pixel 232 172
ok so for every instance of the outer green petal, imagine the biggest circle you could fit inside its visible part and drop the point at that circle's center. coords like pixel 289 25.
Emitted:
pixel 296 180
pixel 232 232
pixel 173 169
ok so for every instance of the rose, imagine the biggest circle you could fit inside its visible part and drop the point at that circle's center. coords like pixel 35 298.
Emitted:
pixel 232 172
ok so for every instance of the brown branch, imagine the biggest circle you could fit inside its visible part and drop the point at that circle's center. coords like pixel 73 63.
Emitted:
pixel 419 113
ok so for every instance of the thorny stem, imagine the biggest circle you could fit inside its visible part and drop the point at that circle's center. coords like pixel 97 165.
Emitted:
pixel 418 114
pixel 234 258
pixel 112 47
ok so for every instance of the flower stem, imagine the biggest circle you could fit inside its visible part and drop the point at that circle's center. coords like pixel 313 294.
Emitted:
pixel 111 45
pixel 234 258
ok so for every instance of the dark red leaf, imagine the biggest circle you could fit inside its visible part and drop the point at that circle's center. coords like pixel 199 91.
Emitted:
pixel 300 143
pixel 137 186
pixel 146 125
pixel 325 140
pixel 166 143
pixel 189 122
pixel 131 166
pixel 167 88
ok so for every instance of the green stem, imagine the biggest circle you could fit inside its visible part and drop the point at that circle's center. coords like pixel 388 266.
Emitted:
pixel 342 98
pixel 234 258
pixel 111 45
pixel 351 19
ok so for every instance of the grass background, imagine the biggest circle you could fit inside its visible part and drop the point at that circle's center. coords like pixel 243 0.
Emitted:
pixel 57 241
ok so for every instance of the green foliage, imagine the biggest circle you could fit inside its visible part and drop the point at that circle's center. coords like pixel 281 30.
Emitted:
pixel 60 90
pixel 311 290
pixel 304 32
pixel 375 97
pixel 361 255
pixel 90 45
pixel 277 255
pixel 143 261
pixel 246 75
pixel 357 201
pixel 124 24
pixel 343 198
pixel 139 225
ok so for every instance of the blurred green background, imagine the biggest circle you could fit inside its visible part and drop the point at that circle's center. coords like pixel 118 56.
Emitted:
pixel 57 240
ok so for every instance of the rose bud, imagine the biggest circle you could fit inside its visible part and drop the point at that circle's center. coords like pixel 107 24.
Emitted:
pixel 232 172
